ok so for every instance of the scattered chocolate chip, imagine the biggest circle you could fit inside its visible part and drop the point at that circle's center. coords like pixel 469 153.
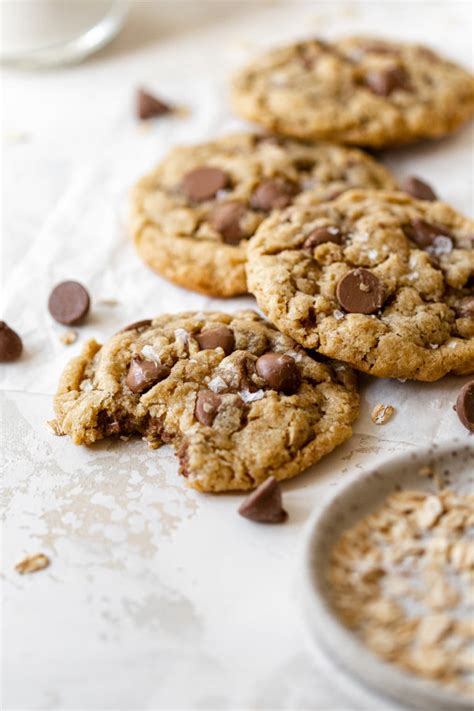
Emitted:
pixel 149 106
pixel 418 189
pixel 424 233
pixel 225 218
pixel 219 336
pixel 207 406
pixel 321 235
pixel 143 374
pixel 11 345
pixel 273 194
pixel 360 292
pixel 69 303
pixel 203 183
pixel 384 82
pixel 137 325
pixel 465 307
pixel 264 505
pixel 279 371
pixel 465 405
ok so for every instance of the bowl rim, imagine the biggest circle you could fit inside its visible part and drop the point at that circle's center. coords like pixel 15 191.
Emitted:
pixel 322 624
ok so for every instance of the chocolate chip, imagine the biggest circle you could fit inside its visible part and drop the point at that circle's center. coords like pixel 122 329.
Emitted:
pixel 360 292
pixel 279 371
pixel 207 406
pixel 69 303
pixel 137 325
pixel 143 374
pixel 219 336
pixel 203 183
pixel 225 218
pixel 418 189
pixel 264 505
pixel 321 235
pixel 273 194
pixel 465 307
pixel 465 405
pixel 424 233
pixel 242 373
pixel 384 82
pixel 149 106
pixel 11 345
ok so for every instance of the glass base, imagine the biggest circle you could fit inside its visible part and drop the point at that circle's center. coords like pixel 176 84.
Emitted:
pixel 73 50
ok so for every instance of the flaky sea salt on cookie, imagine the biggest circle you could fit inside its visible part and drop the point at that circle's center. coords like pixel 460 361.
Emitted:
pixel 379 280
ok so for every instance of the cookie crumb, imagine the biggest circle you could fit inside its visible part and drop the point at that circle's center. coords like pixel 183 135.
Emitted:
pixel 182 111
pixel 108 302
pixel 54 428
pixel 381 414
pixel 68 337
pixel 32 564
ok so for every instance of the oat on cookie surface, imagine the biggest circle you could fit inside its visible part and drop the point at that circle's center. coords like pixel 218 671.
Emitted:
pixel 192 215
pixel 238 400
pixel 379 280
pixel 357 90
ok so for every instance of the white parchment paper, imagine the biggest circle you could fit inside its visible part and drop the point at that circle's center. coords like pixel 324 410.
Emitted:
pixel 158 597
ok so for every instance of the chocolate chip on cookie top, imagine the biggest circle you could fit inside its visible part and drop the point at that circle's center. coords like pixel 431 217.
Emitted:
pixel 429 236
pixel 465 405
pixel 321 235
pixel 217 337
pixel 11 345
pixel 207 407
pixel 392 295
pixel 226 219
pixel 418 188
pixel 203 183
pixel 356 91
pixel 69 303
pixel 143 374
pixel 237 399
pixel 279 371
pixel 192 215
pixel 384 81
pixel 273 194
pixel 360 292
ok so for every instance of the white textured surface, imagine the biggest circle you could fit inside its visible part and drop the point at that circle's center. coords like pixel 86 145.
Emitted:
pixel 157 597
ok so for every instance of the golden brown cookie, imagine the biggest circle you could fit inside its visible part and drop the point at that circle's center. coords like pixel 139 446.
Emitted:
pixel 357 90
pixel 238 400
pixel 192 216
pixel 377 279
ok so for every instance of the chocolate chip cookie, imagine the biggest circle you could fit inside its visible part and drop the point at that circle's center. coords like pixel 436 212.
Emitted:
pixel 357 90
pixel 377 279
pixel 192 216
pixel 238 400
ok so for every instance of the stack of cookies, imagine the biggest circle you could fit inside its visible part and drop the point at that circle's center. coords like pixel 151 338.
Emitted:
pixel 344 263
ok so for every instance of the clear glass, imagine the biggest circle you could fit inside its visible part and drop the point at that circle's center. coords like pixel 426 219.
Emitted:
pixel 45 33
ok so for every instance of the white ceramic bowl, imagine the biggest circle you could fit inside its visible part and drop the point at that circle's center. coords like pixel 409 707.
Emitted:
pixel 354 500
